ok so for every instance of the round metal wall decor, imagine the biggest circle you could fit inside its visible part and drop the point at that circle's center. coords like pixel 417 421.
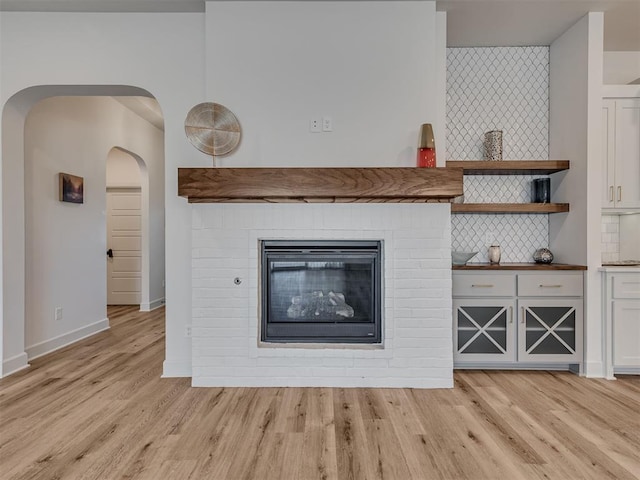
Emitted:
pixel 212 128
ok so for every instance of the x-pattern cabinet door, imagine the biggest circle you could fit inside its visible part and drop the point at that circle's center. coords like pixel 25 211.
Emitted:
pixel 483 330
pixel 550 330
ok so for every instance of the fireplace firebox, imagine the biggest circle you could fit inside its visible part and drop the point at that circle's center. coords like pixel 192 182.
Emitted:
pixel 321 291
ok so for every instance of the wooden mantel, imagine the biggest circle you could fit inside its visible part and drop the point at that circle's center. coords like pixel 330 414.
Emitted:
pixel 319 185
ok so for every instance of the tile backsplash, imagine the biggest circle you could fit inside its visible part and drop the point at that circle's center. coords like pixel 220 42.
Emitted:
pixel 519 235
pixel 503 88
pixel 498 88
pixel 610 238
pixel 498 189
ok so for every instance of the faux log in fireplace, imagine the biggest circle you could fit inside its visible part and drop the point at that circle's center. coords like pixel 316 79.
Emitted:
pixel 321 291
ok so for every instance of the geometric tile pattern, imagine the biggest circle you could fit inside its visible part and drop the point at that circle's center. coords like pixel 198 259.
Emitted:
pixel 498 88
pixel 519 235
pixel 498 188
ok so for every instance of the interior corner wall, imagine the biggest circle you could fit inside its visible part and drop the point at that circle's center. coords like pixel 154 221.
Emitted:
pixel 441 88
pixel 371 66
pixel 575 134
pixel 13 355
pixel 66 243
pixel 162 53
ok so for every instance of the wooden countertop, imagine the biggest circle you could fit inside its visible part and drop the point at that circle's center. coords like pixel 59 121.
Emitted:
pixel 519 266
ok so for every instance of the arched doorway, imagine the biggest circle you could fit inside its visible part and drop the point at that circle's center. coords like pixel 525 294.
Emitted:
pixel 53 253
pixel 125 232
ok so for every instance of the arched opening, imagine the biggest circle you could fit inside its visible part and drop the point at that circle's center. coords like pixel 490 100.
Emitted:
pixel 53 253
pixel 127 229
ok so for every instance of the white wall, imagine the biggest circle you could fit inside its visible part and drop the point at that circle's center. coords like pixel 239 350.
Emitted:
pixel 66 243
pixel 371 66
pixel 374 73
pixel 161 53
pixel 621 68
pixel 122 170
pixel 575 134
pixel 441 89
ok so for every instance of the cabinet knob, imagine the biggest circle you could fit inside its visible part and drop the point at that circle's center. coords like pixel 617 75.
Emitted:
pixel 482 285
pixel 619 193
pixel 550 286
pixel 611 193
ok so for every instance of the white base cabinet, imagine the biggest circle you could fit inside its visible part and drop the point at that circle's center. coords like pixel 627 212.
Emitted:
pixel 523 319
pixel 622 322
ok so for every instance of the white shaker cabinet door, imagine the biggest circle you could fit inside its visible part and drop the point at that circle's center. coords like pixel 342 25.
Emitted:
pixel 621 153
pixel 626 334
pixel 608 153
pixel 627 145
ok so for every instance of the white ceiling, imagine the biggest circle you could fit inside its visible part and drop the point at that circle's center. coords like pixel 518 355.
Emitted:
pixel 484 23
pixel 470 22
pixel 145 107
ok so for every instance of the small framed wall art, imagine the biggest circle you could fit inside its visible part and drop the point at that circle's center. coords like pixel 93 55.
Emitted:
pixel 71 188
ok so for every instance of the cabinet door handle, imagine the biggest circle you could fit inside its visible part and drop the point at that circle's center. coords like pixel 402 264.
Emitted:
pixel 549 286
pixel 522 319
pixel 611 193
pixel 510 314
pixel 619 193
pixel 482 285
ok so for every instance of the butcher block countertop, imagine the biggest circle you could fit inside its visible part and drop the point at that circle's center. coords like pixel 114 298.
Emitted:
pixel 519 266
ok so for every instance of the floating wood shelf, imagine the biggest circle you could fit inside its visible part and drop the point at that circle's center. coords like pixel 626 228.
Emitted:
pixel 509 207
pixel 510 167
pixel 319 185
pixel 518 266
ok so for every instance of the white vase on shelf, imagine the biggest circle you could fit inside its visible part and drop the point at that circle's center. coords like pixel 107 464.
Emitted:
pixel 494 254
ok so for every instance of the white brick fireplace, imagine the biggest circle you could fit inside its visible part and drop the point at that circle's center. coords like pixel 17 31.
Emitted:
pixel 417 335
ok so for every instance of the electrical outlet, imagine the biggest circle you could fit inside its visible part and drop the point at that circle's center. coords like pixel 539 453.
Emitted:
pixel 57 314
pixel 327 124
pixel 315 125
pixel 187 331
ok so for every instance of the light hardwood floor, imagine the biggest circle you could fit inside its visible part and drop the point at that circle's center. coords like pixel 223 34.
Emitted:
pixel 99 410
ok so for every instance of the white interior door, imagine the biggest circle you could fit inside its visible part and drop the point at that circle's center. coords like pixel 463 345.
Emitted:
pixel 124 241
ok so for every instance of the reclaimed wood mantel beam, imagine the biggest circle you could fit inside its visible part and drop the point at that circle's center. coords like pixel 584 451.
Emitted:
pixel 319 185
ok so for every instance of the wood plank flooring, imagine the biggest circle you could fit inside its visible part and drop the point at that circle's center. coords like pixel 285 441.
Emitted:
pixel 99 410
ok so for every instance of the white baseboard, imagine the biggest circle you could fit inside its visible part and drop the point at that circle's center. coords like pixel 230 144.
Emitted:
pixel 594 370
pixel 147 307
pixel 176 369
pixel 14 364
pixel 65 339
pixel 627 370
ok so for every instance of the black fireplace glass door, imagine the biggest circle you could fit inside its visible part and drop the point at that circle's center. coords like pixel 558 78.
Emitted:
pixel 322 293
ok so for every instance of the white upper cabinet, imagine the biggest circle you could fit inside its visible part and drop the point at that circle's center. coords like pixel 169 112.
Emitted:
pixel 621 153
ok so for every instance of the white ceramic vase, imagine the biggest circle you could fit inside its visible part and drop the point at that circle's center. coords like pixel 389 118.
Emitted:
pixel 494 254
